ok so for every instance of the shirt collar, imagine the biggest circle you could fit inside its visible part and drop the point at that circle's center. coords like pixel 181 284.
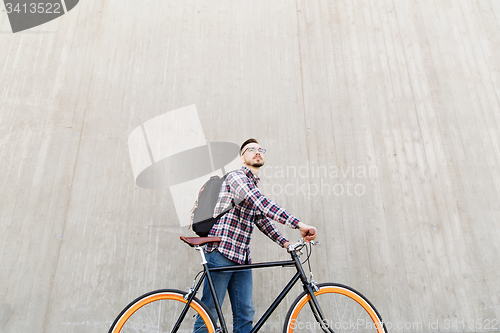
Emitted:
pixel 250 174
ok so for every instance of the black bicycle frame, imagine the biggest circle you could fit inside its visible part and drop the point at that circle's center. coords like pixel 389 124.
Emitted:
pixel 299 275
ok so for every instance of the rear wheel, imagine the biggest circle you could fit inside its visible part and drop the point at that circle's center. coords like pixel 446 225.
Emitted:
pixel 344 309
pixel 158 311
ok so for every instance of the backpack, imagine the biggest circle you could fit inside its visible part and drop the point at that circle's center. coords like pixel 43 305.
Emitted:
pixel 202 219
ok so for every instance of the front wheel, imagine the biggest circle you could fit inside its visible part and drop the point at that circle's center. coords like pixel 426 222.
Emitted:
pixel 159 311
pixel 344 310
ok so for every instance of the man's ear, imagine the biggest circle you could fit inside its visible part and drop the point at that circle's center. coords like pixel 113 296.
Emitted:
pixel 242 160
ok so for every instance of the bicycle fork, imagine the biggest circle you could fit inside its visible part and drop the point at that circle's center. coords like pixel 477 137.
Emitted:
pixel 310 287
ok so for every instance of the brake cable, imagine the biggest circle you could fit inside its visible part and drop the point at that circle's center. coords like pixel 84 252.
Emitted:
pixel 308 254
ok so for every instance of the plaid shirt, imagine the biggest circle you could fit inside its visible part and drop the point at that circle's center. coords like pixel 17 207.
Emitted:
pixel 235 227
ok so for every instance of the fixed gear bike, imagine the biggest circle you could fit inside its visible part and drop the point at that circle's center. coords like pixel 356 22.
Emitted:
pixel 325 307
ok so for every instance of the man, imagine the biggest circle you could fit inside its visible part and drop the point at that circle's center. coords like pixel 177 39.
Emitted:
pixel 235 230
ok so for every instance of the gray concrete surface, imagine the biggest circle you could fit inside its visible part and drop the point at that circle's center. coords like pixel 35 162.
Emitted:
pixel 398 98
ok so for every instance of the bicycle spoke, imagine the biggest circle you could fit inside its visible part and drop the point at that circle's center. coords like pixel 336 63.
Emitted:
pixel 338 314
pixel 151 320
pixel 135 327
pixel 159 329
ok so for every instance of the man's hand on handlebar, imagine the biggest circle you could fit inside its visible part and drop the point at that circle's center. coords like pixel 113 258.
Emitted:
pixel 308 232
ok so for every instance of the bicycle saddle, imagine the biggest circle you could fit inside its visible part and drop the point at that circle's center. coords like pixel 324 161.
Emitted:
pixel 193 241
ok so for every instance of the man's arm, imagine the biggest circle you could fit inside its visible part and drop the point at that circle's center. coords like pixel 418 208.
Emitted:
pixel 242 188
pixel 270 230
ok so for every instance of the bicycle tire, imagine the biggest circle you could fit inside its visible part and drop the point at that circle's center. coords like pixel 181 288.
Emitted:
pixel 158 311
pixel 345 310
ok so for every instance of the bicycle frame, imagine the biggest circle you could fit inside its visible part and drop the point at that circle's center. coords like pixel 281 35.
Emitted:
pixel 307 285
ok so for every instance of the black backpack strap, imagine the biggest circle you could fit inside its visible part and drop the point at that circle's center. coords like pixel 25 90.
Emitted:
pixel 232 206
pixel 232 200
pixel 226 211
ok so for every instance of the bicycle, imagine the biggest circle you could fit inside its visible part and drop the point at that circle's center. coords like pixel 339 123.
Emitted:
pixel 325 307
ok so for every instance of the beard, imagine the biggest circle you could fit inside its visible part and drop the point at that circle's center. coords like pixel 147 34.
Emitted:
pixel 255 163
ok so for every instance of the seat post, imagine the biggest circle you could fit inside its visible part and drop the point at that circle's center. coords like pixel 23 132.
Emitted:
pixel 202 253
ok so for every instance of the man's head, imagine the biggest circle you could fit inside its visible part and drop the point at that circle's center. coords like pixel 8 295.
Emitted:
pixel 252 154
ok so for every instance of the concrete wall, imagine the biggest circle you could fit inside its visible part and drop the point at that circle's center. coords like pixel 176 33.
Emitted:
pixel 407 90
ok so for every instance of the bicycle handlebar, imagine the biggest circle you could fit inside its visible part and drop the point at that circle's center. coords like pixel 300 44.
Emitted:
pixel 299 245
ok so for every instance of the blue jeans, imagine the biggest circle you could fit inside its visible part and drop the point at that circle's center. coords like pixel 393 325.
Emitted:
pixel 239 287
